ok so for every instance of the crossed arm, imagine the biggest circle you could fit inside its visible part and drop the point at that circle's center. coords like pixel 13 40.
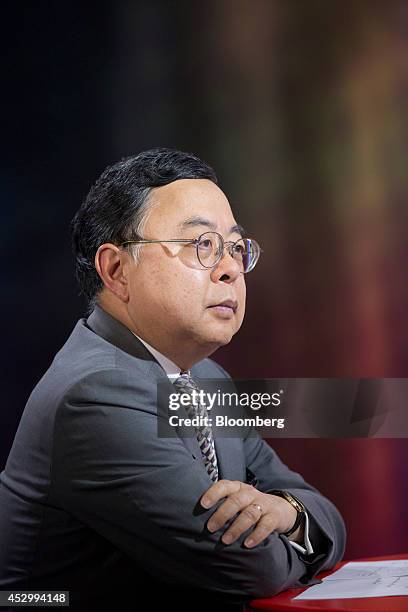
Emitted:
pixel 142 493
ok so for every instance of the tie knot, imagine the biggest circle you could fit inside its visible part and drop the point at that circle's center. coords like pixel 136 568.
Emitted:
pixel 186 382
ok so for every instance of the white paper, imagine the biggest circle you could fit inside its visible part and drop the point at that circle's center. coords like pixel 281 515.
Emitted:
pixel 362 579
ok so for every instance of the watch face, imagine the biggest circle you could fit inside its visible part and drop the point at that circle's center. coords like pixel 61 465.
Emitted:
pixel 295 503
pixel 299 507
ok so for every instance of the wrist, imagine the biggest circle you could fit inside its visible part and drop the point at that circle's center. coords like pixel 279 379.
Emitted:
pixel 289 516
pixel 293 514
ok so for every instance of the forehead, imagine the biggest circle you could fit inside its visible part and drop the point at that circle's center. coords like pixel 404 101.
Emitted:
pixel 172 204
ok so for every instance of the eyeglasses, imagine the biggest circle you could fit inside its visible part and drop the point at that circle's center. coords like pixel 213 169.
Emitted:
pixel 210 249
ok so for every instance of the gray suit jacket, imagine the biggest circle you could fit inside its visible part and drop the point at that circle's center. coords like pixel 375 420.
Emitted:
pixel 93 501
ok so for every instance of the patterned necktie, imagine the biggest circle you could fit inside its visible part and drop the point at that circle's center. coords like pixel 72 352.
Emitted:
pixel 185 384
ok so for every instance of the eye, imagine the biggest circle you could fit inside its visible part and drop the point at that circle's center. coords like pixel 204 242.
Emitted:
pixel 239 249
pixel 205 244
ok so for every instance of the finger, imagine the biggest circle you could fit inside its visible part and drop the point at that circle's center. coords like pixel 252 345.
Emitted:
pixel 265 527
pixel 235 503
pixel 218 490
pixel 246 519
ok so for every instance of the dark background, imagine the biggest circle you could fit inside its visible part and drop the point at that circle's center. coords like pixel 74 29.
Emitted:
pixel 301 107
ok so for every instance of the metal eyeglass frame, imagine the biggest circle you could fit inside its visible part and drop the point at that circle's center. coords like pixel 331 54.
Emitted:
pixel 229 244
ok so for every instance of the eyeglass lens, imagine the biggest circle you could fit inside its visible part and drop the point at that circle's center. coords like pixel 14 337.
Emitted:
pixel 245 251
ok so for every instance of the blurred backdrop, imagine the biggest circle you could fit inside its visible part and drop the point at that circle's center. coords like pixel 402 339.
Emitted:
pixel 301 109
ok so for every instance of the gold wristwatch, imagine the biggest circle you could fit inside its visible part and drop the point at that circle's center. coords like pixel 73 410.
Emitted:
pixel 298 506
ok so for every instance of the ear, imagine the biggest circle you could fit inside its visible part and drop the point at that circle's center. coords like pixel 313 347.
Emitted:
pixel 111 264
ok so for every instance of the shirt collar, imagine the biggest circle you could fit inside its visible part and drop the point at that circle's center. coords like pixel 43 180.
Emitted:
pixel 171 369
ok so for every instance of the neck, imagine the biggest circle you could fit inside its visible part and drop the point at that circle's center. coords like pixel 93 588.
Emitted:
pixel 183 354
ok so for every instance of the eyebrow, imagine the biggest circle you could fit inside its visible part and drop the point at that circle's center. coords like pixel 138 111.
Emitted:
pixel 196 221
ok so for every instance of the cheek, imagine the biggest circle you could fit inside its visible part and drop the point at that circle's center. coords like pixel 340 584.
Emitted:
pixel 179 293
pixel 188 291
pixel 241 293
pixel 241 314
pixel 241 296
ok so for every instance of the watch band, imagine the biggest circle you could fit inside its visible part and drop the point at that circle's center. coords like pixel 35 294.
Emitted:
pixel 297 504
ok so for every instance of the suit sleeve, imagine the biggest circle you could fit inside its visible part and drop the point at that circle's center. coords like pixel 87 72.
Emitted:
pixel 141 492
pixel 327 531
pixel 326 527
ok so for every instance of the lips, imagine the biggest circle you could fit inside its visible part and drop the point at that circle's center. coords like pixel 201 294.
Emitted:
pixel 233 304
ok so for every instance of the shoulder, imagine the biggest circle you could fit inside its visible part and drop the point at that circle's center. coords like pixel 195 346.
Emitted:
pixel 89 369
pixel 208 368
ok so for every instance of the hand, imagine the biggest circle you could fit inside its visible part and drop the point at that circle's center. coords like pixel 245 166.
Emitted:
pixel 268 512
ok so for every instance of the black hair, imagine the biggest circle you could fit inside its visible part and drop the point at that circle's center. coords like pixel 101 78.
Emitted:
pixel 116 203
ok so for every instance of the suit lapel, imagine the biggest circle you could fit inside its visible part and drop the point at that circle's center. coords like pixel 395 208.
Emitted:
pixel 113 331
pixel 229 450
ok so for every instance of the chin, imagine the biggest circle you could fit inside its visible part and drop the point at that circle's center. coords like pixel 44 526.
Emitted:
pixel 212 337
pixel 219 340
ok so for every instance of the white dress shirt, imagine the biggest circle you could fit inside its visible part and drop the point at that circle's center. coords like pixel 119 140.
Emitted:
pixel 173 372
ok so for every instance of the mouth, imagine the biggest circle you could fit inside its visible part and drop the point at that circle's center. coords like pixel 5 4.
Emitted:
pixel 227 306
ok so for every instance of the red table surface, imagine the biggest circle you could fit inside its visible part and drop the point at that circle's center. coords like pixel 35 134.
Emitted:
pixel 284 601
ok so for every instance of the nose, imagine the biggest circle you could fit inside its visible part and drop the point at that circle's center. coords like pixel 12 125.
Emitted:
pixel 227 269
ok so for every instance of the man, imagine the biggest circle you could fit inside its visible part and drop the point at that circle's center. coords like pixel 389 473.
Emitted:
pixel 92 499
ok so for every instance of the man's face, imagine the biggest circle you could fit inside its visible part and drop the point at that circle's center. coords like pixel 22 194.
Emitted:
pixel 172 298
